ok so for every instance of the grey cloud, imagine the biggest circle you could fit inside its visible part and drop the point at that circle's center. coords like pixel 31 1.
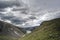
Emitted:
pixel 32 17
pixel 43 4
pixel 17 21
pixel 5 4
pixel 7 17
pixel 26 16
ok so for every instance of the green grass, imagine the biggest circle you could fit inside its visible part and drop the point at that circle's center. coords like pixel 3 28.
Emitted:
pixel 6 37
pixel 49 30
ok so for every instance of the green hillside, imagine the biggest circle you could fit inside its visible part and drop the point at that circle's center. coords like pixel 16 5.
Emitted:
pixel 49 30
pixel 6 37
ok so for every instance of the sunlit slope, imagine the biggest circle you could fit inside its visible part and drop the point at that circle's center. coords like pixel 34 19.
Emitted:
pixel 49 30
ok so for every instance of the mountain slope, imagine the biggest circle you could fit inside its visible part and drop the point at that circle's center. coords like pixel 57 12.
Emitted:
pixel 49 30
pixel 9 31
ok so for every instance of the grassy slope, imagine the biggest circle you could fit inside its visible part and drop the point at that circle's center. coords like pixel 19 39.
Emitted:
pixel 5 37
pixel 49 30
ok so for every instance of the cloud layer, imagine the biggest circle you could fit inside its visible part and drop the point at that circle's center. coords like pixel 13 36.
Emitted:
pixel 29 13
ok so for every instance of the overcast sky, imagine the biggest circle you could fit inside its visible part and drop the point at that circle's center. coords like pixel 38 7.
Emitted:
pixel 29 13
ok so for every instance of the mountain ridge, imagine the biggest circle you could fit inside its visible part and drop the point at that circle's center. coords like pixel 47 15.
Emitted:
pixel 49 30
pixel 9 31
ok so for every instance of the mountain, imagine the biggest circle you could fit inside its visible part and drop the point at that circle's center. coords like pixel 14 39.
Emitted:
pixel 9 31
pixel 48 30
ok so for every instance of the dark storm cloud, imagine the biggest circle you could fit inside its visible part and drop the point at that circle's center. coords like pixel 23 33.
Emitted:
pixel 7 17
pixel 17 21
pixel 32 17
pixel 5 4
